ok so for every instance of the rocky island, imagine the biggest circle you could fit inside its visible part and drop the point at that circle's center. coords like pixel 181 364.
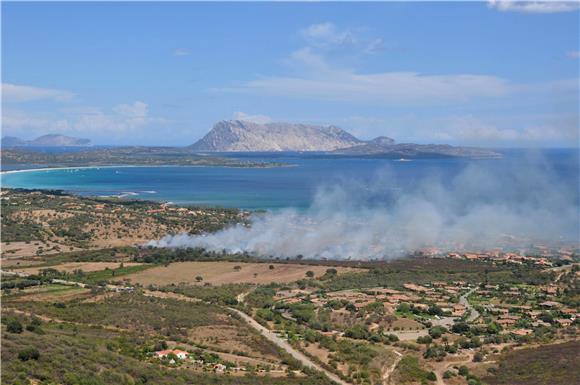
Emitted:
pixel 244 136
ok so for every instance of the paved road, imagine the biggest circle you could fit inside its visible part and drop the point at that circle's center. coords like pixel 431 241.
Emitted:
pixel 463 300
pixel 272 337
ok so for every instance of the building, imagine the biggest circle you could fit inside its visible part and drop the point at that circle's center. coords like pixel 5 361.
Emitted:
pixel 182 355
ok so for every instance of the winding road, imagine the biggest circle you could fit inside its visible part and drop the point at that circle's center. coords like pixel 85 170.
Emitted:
pixel 474 314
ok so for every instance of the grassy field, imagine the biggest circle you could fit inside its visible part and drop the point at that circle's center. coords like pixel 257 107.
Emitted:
pixel 49 293
pixel 219 273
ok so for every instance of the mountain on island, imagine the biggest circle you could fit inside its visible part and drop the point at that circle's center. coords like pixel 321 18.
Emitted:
pixel 51 140
pixel 244 136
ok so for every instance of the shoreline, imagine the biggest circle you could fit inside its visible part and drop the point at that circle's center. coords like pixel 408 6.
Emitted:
pixel 6 172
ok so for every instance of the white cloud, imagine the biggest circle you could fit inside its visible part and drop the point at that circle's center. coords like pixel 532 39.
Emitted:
pixel 387 88
pixel 181 52
pixel 135 110
pixel 314 77
pixel 123 119
pixel 469 129
pixel 260 119
pixel 573 54
pixel 328 38
pixel 326 35
pixel 534 6
pixel 20 93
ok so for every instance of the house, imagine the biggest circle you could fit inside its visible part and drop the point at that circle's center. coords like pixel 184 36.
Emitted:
pixel 564 322
pixel 522 332
pixel 458 310
pixel 551 290
pixel 415 288
pixel 182 355
pixel 219 368
pixel 550 304
pixel 540 323
pixel 421 306
pixel 505 322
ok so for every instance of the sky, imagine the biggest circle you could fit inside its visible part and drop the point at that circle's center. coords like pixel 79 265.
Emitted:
pixel 491 74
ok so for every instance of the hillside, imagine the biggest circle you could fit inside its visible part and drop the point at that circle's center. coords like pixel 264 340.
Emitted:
pixel 412 150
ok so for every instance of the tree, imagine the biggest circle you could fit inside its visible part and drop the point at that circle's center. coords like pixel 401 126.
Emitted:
pixel 331 272
pixel 437 331
pixel 460 327
pixel 199 278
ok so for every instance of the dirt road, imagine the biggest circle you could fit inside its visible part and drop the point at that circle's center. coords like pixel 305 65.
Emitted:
pixel 272 337
pixel 389 371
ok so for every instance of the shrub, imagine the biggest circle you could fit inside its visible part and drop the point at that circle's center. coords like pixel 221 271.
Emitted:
pixel 14 326
pixel 29 353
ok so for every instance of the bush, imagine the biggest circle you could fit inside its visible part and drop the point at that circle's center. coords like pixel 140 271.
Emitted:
pixel 424 340
pixel 463 371
pixel 29 353
pixel 431 376
pixel 14 326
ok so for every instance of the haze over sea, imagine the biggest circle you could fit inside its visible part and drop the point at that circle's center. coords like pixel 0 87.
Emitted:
pixel 281 187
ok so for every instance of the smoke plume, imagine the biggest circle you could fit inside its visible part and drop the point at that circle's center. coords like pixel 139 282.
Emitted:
pixel 482 206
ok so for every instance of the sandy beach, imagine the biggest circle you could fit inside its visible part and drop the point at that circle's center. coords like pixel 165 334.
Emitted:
pixel 65 168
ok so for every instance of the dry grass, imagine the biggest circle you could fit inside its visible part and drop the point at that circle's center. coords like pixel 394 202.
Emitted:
pixel 219 273
pixel 29 249
pixel 87 267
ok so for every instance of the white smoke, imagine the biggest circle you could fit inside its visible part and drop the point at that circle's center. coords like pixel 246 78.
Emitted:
pixel 481 207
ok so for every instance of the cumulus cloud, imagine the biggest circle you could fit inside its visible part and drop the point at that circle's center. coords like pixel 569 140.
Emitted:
pixel 534 6
pixel 485 205
pixel 260 119
pixel 21 93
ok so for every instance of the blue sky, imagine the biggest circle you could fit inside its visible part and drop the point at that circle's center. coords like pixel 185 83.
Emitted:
pixel 497 74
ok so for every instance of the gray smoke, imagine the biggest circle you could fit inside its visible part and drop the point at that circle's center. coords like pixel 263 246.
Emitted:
pixel 483 206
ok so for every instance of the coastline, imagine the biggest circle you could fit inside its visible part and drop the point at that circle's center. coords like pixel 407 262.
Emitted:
pixel 5 172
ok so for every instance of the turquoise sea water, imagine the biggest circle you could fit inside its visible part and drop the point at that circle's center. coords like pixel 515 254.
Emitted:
pixel 296 186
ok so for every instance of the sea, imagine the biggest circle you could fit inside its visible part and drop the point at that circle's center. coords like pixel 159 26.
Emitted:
pixel 306 176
